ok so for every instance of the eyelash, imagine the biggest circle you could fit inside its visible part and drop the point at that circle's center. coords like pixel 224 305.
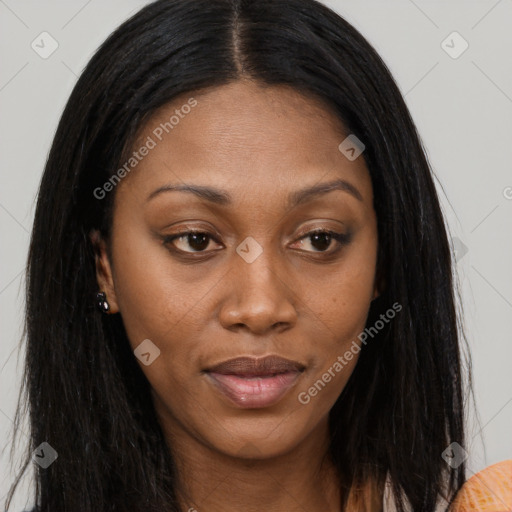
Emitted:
pixel 342 239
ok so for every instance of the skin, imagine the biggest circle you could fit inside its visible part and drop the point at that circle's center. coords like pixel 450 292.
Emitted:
pixel 259 144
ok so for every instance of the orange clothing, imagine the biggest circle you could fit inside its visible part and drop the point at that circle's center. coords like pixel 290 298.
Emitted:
pixel 489 490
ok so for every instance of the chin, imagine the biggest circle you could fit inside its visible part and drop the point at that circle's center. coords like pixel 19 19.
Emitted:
pixel 262 438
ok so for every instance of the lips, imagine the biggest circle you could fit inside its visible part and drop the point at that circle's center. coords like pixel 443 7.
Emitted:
pixel 255 382
pixel 250 366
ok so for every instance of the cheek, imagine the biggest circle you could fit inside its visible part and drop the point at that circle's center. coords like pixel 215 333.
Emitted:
pixel 336 348
pixel 158 302
pixel 341 303
pixel 154 300
pixel 340 299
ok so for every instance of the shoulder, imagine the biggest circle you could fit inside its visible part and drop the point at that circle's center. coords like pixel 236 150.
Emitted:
pixel 489 490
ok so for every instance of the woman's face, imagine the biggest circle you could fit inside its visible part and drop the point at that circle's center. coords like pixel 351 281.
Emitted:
pixel 255 281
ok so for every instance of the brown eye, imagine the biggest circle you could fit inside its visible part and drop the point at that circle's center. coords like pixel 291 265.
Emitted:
pixel 198 241
pixel 321 240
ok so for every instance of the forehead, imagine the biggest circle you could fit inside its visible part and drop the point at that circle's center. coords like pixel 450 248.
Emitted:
pixel 244 137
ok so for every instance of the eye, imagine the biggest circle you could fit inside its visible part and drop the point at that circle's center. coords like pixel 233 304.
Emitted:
pixel 197 240
pixel 322 240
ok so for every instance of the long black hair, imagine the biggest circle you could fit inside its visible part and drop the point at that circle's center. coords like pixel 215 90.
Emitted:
pixel 88 398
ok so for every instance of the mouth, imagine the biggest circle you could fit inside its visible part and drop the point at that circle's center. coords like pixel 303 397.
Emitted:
pixel 252 383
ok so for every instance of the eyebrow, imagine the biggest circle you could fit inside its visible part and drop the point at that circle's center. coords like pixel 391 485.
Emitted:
pixel 297 197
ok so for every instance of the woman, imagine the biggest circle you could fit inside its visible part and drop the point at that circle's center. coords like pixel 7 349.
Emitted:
pixel 239 282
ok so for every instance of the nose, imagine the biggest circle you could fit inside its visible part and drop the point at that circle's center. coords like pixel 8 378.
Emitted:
pixel 260 299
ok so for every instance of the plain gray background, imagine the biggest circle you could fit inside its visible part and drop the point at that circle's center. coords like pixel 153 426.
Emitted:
pixel 461 103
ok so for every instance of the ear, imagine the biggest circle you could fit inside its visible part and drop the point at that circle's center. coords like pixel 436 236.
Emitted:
pixel 104 270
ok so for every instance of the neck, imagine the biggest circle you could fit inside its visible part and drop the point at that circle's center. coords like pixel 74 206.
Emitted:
pixel 302 479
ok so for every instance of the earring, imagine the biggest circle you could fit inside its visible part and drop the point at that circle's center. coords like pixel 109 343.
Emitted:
pixel 101 302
